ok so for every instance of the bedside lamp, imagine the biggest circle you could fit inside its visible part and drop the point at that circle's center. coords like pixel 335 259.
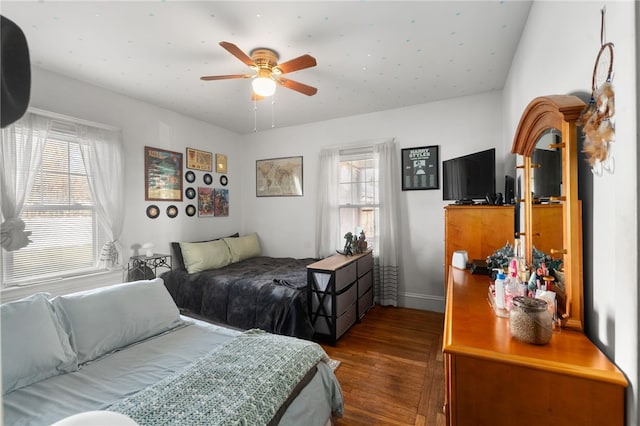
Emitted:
pixel 148 247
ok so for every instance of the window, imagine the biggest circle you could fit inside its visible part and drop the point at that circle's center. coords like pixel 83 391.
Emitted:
pixel 60 212
pixel 358 198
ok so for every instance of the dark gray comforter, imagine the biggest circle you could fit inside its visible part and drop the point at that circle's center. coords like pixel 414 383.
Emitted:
pixel 262 292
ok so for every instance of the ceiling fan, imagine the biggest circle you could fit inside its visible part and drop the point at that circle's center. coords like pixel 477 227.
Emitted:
pixel 268 72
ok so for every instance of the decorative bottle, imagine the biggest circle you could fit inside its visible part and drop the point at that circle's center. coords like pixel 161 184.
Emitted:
pixel 499 288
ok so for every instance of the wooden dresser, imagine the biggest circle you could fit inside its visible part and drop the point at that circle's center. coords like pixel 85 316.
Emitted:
pixel 479 230
pixel 493 379
pixel 340 293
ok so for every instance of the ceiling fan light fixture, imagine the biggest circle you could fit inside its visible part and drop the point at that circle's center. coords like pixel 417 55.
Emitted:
pixel 264 86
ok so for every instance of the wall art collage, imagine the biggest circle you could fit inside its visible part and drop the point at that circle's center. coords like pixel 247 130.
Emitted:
pixel 164 182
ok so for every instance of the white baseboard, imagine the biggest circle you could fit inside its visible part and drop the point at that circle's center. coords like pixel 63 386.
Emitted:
pixel 421 301
pixel 65 285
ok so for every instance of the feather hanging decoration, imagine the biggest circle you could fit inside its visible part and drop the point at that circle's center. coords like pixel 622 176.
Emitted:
pixel 597 119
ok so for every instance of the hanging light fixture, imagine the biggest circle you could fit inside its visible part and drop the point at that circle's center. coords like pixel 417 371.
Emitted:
pixel 263 84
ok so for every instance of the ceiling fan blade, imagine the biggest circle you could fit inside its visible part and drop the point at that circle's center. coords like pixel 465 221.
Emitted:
pixel 299 63
pixel 224 77
pixel 238 53
pixel 297 86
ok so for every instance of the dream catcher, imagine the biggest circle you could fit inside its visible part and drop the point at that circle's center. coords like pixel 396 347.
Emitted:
pixel 597 119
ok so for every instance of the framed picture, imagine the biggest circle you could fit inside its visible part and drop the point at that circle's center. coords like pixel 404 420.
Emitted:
pixel 220 202
pixel 198 160
pixel 162 175
pixel 205 202
pixel 221 163
pixel 420 168
pixel 279 177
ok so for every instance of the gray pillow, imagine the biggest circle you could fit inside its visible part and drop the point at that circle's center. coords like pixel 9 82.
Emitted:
pixel 34 344
pixel 103 320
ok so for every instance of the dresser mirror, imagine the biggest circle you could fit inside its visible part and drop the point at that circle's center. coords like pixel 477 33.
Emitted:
pixel 552 216
pixel 546 188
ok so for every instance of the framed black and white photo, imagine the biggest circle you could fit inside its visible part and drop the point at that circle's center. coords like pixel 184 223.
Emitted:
pixel 420 168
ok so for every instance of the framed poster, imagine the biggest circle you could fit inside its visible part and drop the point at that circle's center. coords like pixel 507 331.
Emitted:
pixel 279 177
pixel 420 168
pixel 162 175
pixel 220 202
pixel 205 202
pixel 221 163
pixel 199 160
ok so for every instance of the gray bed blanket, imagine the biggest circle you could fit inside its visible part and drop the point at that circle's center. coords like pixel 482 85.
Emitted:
pixel 242 382
pixel 262 292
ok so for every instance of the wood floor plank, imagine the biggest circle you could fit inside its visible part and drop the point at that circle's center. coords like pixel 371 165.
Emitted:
pixel 392 369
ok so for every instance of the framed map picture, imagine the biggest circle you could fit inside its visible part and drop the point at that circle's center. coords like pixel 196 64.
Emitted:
pixel 279 177
pixel 420 168
pixel 162 175
pixel 199 160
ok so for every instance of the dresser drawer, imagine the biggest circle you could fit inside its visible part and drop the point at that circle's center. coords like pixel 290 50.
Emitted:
pixel 365 303
pixel 345 276
pixel 365 264
pixel 365 283
pixel 342 323
pixel 343 300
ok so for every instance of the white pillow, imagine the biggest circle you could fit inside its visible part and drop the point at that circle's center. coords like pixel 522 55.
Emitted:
pixel 103 320
pixel 207 255
pixel 34 344
pixel 243 247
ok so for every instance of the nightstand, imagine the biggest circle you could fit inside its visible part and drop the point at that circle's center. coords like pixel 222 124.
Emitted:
pixel 146 267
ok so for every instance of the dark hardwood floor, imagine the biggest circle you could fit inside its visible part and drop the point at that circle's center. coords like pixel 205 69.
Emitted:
pixel 392 370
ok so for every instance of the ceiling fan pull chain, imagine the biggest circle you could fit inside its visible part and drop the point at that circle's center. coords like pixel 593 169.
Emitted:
pixel 273 111
pixel 255 119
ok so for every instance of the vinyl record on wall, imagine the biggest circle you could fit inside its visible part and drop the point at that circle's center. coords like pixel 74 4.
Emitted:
pixel 190 176
pixel 190 193
pixel 223 180
pixel 190 210
pixel 172 211
pixel 153 211
pixel 207 178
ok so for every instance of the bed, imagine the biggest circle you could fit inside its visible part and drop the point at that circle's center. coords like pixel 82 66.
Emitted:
pixel 227 281
pixel 126 349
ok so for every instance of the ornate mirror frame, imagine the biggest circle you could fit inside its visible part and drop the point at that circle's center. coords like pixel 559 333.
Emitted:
pixel 556 112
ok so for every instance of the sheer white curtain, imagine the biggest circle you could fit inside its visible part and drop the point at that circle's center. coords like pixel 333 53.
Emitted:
pixel 20 156
pixel 103 157
pixel 328 223
pixel 385 272
pixel 327 219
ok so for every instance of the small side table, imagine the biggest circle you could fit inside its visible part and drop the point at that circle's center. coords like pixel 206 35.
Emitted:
pixel 146 267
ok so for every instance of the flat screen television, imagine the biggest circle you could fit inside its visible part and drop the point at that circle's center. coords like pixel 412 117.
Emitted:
pixel 470 177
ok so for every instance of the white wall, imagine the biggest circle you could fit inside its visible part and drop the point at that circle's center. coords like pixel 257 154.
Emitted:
pixel 458 126
pixel 556 56
pixel 143 125
pixel 286 225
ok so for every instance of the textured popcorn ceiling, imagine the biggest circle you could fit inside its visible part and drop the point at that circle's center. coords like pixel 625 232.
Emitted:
pixel 372 55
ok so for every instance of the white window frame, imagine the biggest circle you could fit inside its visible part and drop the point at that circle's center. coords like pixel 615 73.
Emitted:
pixel 360 154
